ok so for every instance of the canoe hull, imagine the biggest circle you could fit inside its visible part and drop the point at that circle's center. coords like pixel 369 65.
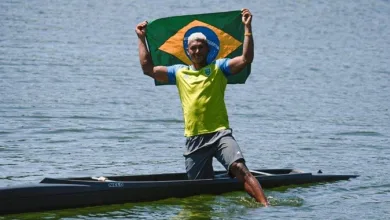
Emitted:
pixel 53 194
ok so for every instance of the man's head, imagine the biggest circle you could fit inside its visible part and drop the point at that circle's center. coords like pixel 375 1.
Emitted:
pixel 198 48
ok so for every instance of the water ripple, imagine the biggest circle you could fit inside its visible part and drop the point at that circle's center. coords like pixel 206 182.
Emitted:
pixel 74 102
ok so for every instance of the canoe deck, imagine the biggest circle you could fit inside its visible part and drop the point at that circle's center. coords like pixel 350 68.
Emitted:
pixel 61 193
pixel 165 176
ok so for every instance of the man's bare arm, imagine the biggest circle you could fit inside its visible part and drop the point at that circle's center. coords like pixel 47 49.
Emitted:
pixel 159 73
pixel 237 64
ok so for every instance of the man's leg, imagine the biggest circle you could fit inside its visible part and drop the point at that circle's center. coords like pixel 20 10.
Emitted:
pixel 251 185
pixel 230 156
pixel 199 164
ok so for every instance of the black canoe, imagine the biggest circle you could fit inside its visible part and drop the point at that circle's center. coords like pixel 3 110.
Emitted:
pixel 53 193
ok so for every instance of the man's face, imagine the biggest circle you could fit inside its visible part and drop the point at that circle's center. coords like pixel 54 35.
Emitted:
pixel 198 51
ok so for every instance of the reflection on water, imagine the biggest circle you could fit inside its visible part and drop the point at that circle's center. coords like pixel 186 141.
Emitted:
pixel 197 207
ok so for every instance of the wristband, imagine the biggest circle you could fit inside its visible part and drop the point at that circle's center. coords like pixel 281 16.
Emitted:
pixel 248 34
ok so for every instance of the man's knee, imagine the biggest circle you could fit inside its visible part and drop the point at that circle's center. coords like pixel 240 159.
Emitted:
pixel 239 168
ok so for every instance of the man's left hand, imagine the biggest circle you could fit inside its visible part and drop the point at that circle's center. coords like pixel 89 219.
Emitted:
pixel 246 16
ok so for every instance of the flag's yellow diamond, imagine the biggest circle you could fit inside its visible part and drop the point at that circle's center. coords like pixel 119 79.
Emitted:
pixel 174 45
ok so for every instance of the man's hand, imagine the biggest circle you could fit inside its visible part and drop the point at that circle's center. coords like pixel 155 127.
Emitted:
pixel 246 16
pixel 141 29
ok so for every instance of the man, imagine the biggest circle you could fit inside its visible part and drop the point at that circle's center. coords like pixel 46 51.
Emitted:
pixel 201 89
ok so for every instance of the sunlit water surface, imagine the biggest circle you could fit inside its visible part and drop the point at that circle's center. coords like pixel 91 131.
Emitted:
pixel 74 102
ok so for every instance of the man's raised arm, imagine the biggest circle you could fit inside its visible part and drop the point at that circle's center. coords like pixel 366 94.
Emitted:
pixel 159 73
pixel 239 63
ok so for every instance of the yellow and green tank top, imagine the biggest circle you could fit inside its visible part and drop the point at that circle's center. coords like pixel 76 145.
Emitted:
pixel 202 96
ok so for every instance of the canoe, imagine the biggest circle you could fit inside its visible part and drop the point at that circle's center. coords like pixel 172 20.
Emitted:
pixel 63 193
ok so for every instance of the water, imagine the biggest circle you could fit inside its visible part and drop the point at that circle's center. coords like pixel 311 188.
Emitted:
pixel 74 102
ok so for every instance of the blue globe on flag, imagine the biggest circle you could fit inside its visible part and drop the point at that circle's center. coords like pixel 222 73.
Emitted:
pixel 212 40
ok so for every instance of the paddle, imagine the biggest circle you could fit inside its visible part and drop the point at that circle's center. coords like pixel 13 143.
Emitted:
pixel 261 173
pixel 222 175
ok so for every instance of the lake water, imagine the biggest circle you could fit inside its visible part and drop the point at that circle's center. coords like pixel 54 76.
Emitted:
pixel 74 102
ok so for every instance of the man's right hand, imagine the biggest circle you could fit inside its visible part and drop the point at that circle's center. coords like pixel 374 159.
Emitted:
pixel 141 29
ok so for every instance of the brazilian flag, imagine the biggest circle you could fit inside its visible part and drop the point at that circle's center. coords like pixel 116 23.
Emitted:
pixel 167 39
